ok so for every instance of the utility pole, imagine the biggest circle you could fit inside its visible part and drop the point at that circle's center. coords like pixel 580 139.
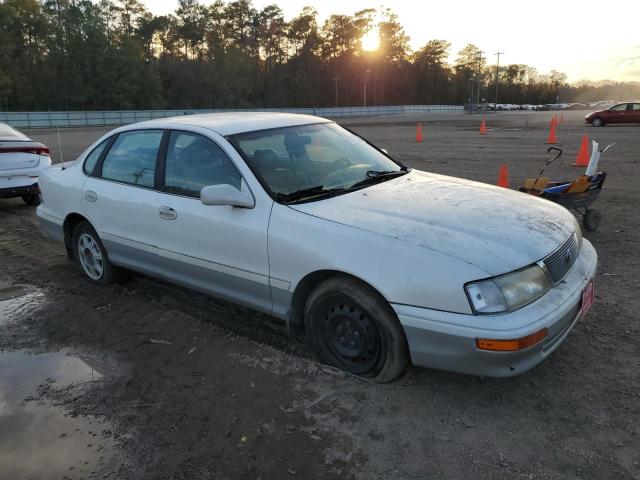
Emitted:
pixel 495 108
pixel 336 77
pixel 477 93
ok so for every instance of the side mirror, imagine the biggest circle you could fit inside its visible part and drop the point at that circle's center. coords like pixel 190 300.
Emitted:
pixel 226 194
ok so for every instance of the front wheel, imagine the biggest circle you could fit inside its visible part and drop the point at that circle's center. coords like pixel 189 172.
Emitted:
pixel 597 122
pixel 353 328
pixel 91 256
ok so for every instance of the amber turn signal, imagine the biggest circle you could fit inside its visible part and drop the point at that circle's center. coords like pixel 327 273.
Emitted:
pixel 511 345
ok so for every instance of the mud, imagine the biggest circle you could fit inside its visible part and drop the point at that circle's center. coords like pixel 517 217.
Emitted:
pixel 191 387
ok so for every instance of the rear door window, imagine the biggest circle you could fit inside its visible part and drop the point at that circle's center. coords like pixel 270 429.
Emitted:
pixel 132 158
pixel 194 161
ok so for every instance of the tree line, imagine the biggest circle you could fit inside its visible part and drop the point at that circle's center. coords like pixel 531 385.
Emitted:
pixel 115 54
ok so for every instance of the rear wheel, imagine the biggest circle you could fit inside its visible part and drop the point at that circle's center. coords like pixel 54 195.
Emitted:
pixel 31 199
pixel 353 328
pixel 91 256
pixel 597 122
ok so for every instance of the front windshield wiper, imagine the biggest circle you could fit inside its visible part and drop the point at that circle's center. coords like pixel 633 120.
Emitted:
pixel 375 176
pixel 305 193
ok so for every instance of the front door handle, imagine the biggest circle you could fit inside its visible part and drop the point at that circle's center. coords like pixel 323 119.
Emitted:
pixel 167 213
pixel 90 196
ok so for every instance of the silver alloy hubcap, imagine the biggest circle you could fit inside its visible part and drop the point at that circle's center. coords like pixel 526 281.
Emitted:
pixel 90 256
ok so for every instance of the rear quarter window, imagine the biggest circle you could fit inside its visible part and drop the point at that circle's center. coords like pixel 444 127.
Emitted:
pixel 92 159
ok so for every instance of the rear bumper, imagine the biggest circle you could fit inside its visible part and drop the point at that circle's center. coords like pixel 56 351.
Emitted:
pixel 50 226
pixel 19 190
pixel 447 341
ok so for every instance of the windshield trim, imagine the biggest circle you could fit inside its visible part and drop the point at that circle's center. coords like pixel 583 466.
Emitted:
pixel 233 141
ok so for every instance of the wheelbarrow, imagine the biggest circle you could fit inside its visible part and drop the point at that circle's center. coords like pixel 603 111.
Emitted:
pixel 577 195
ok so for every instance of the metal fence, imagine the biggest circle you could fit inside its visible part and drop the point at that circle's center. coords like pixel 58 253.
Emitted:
pixel 124 117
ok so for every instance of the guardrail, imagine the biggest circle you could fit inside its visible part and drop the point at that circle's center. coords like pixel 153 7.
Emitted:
pixel 124 117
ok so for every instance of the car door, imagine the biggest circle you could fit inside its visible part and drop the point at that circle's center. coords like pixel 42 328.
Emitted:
pixel 120 201
pixel 617 114
pixel 214 248
pixel 635 113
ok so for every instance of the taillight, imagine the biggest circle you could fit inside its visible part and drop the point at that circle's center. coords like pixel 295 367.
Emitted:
pixel 32 150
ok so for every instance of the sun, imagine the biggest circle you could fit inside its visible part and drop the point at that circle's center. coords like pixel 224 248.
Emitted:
pixel 371 40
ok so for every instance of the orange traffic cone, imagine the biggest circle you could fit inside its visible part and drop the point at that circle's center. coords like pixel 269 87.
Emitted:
pixel 562 116
pixel 483 127
pixel 552 140
pixel 582 160
pixel 554 121
pixel 419 132
pixel 503 177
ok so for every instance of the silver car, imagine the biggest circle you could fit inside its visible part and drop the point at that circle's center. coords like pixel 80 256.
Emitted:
pixel 295 216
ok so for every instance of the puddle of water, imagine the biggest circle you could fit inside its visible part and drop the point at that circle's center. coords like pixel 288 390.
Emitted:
pixel 18 301
pixel 38 440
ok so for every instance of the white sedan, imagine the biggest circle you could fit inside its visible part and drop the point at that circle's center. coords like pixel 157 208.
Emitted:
pixel 21 161
pixel 297 217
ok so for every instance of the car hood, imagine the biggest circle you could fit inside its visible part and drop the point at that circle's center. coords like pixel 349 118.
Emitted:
pixel 495 229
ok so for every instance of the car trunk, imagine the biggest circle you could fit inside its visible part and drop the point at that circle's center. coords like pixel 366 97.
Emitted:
pixel 16 155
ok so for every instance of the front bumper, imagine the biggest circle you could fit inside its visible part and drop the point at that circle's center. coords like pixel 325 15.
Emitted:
pixel 447 341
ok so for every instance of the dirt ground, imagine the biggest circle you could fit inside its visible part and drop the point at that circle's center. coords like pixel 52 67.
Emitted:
pixel 191 387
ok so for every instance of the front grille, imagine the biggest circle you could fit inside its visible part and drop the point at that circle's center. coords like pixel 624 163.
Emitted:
pixel 561 261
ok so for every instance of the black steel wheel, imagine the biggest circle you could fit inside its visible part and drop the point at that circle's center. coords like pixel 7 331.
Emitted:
pixel 353 328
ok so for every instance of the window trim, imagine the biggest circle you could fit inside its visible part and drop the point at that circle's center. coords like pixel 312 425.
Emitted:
pixel 159 174
pixel 162 186
pixel 109 141
pixel 100 163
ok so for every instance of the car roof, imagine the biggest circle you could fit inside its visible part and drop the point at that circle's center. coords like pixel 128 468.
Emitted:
pixel 8 133
pixel 230 123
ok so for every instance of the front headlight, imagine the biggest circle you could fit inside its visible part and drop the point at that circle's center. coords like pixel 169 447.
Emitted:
pixel 508 292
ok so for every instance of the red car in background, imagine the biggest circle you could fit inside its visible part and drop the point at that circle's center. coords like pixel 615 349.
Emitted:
pixel 628 112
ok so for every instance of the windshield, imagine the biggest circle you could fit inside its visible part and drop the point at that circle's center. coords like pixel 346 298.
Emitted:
pixel 311 161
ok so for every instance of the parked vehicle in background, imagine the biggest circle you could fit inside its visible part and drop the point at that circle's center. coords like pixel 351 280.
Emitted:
pixel 576 106
pixel 627 112
pixel 21 162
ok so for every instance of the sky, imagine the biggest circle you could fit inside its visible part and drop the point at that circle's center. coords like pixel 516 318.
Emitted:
pixel 588 39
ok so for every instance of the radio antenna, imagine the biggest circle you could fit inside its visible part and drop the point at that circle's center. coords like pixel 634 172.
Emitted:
pixel 60 147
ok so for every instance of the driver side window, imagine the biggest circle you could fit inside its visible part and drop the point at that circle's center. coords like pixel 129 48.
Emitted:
pixel 194 161
pixel 619 108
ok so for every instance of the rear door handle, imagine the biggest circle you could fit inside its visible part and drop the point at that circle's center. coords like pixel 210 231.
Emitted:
pixel 167 213
pixel 90 196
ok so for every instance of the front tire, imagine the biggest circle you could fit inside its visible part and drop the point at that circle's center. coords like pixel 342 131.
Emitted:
pixel 597 122
pixel 353 328
pixel 91 256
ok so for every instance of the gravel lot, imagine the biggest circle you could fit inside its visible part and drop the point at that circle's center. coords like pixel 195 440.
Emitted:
pixel 161 382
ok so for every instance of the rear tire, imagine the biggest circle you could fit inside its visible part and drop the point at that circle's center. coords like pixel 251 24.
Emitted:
pixel 31 199
pixel 354 329
pixel 591 220
pixel 91 256
pixel 597 122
